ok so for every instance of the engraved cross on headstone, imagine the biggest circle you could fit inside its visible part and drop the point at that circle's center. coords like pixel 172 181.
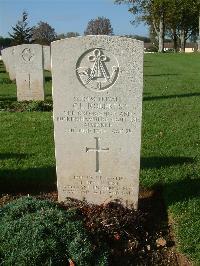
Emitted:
pixel 97 150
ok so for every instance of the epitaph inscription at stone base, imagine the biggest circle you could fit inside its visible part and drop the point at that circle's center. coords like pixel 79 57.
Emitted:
pixel 97 95
pixel 29 72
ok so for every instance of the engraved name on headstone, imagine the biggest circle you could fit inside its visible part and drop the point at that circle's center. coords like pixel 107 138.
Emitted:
pixel 29 72
pixel 97 97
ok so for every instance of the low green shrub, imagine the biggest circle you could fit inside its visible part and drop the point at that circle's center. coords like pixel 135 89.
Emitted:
pixel 152 49
pixel 31 106
pixel 38 106
pixel 39 232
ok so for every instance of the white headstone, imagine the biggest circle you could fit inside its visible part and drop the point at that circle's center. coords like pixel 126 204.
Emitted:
pixel 11 62
pixel 29 72
pixel 47 57
pixel 4 53
pixel 97 96
pixel 8 59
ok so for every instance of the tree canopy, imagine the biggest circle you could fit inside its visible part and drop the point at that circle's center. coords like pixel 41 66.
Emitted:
pixel 67 35
pixel 22 33
pixel 5 42
pixel 175 18
pixel 99 26
pixel 43 33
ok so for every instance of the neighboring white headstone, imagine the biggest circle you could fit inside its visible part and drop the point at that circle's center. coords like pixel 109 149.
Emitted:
pixel 29 72
pixel 47 57
pixel 11 62
pixel 4 54
pixel 97 98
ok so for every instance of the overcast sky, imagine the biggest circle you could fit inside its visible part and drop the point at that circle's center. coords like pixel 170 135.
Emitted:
pixel 68 15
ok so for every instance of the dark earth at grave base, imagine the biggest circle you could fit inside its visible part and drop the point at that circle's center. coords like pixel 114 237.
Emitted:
pixel 139 238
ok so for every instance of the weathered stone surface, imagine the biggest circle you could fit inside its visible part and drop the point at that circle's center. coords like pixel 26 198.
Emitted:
pixel 97 94
pixel 29 72
pixel 8 59
pixel 11 62
pixel 47 57
pixel 5 55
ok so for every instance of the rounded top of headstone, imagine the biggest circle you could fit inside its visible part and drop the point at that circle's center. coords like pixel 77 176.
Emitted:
pixel 106 37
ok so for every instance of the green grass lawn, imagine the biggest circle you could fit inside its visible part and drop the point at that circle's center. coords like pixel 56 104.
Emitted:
pixel 170 142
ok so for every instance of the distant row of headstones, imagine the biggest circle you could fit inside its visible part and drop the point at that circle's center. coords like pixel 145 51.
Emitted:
pixel 26 64
pixel 97 108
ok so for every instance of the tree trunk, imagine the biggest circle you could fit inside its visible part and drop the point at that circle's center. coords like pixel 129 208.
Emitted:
pixel 161 34
pixel 175 40
pixel 182 37
pixel 198 41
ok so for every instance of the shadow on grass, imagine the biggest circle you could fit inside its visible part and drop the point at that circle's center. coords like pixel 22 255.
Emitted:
pixel 31 180
pixel 8 99
pixel 163 97
pixel 5 156
pixel 160 75
pixel 158 162
pixel 48 79
pixel 2 70
pixel 177 191
pixel 183 190
pixel 152 202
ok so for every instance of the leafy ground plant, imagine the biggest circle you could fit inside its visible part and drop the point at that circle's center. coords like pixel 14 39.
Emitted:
pixel 26 106
pixel 38 232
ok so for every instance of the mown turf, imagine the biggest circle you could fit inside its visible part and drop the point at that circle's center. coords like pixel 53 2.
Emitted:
pixel 26 151
pixel 7 87
pixel 170 142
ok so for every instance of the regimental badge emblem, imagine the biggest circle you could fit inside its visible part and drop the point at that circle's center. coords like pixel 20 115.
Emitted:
pixel 97 69
pixel 28 55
